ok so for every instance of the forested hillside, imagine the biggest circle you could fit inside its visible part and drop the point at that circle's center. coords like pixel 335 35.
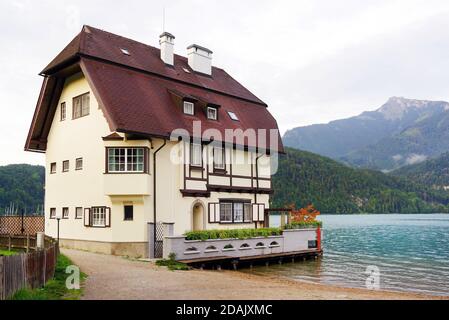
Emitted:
pixel 23 186
pixel 305 178
pixel 433 172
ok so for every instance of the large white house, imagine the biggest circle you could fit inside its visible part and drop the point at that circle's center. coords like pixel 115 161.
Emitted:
pixel 135 134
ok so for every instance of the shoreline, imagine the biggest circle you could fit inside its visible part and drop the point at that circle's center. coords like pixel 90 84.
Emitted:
pixel 321 291
pixel 113 277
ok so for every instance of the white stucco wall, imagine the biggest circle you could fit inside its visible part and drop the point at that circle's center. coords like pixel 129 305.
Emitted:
pixel 82 138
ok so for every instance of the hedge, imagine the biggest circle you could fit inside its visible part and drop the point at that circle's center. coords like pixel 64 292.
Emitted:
pixel 303 225
pixel 232 234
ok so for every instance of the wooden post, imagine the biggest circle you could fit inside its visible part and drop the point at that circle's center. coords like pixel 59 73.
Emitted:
pixel 2 285
pixel 28 243
pixel 282 219
pixel 9 243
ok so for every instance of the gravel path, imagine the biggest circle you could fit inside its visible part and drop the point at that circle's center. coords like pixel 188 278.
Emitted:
pixel 111 277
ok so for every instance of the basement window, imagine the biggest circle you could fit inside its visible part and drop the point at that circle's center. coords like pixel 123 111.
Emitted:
pixel 233 116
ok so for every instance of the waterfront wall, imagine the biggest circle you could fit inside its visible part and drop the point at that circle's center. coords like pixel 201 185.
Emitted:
pixel 290 241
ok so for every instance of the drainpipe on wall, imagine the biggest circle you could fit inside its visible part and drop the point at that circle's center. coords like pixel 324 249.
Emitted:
pixel 154 195
pixel 257 180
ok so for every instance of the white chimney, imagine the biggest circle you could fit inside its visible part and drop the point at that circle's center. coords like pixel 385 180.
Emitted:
pixel 200 59
pixel 167 42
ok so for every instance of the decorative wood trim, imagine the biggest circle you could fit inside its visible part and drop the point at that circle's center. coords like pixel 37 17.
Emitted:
pixel 195 193
pixel 231 189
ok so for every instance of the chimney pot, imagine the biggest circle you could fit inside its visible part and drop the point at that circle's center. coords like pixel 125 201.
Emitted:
pixel 200 59
pixel 167 42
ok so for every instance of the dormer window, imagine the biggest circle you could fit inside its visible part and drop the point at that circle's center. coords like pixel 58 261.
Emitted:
pixel 189 108
pixel 211 113
pixel 233 116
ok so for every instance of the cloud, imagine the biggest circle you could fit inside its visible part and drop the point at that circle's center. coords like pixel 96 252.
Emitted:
pixel 415 158
pixel 311 61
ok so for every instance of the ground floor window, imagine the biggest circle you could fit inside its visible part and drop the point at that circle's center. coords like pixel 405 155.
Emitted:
pixel 52 213
pixel 65 213
pixel 78 213
pixel 235 211
pixel 129 213
pixel 99 217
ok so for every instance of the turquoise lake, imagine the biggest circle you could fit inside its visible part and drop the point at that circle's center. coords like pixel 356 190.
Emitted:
pixel 410 251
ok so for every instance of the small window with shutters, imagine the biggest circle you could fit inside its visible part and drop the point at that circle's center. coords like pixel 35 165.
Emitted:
pixel 97 217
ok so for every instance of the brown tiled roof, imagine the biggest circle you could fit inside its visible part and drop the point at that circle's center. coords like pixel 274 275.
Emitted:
pixel 136 91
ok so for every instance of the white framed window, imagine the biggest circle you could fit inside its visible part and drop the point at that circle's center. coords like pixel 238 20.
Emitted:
pixel 248 212
pixel 196 155
pixel 53 168
pixel 126 160
pixel 233 116
pixel 212 113
pixel 99 217
pixel 52 213
pixel 78 213
pixel 65 166
pixel 65 213
pixel 81 106
pixel 236 211
pixel 189 108
pixel 63 111
pixel 79 164
pixel 226 212
pixel 219 158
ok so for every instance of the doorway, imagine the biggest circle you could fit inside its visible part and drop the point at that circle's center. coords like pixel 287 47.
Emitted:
pixel 198 217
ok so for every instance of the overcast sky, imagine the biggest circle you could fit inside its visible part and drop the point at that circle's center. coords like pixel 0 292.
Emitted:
pixel 311 61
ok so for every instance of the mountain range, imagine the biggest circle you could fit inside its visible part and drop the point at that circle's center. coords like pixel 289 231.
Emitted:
pixel 305 178
pixel 401 132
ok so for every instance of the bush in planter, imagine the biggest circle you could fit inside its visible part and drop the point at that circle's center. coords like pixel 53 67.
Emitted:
pixel 303 225
pixel 232 234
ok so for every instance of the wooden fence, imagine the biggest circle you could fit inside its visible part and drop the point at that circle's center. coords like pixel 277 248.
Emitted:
pixel 26 270
pixel 21 225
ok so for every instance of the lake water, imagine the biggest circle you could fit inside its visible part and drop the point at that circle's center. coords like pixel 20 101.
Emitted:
pixel 410 251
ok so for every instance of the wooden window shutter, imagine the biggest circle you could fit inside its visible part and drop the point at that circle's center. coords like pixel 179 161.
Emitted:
pixel 214 212
pixel 255 212
pixel 108 218
pixel 261 212
pixel 87 217
pixel 258 212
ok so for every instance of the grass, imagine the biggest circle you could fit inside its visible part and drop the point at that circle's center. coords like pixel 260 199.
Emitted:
pixel 172 265
pixel 55 289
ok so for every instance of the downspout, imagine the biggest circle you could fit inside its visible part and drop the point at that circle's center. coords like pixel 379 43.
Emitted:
pixel 257 181
pixel 154 194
